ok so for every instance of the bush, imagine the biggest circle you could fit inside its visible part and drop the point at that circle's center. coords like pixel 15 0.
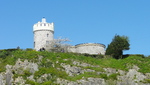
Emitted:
pixel 31 82
pixel 116 47
pixel 29 49
pixel 113 76
pixel 48 83
pixel 104 76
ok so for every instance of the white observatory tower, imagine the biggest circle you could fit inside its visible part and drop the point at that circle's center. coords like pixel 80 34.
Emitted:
pixel 43 34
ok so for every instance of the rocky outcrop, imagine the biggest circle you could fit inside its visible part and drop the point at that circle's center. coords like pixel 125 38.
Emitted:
pixel 6 78
pixel 44 77
pixel 131 77
pixel 9 75
pixel 13 74
pixel 19 81
pixel 2 78
pixel 20 66
pixel 74 70
pixel 88 81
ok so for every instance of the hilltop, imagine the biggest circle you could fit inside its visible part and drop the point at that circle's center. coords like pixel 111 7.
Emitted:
pixel 29 67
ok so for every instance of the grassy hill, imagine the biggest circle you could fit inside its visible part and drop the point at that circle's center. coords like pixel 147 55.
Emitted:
pixel 50 63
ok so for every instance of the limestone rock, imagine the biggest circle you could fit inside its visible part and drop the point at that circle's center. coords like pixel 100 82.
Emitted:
pixel 83 64
pixel 132 77
pixel 88 81
pixel 6 78
pixel 9 75
pixel 109 71
pixel 20 66
pixel 44 78
pixel 2 78
pixel 19 81
pixel 72 70
pixel 31 77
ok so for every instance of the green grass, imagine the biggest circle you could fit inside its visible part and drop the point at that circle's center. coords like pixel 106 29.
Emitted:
pixel 53 57
pixel 49 59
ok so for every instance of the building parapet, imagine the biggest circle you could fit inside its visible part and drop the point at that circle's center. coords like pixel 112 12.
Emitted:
pixel 90 44
pixel 43 26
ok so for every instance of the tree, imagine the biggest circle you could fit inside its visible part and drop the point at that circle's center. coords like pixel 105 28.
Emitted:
pixel 58 45
pixel 117 46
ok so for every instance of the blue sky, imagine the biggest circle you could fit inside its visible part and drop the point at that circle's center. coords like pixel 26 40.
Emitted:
pixel 82 21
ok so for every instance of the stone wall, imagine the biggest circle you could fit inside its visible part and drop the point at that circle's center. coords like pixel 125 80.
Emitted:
pixel 88 48
pixel 43 34
pixel 41 38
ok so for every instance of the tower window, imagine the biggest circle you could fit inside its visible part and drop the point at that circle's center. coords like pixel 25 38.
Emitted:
pixel 47 42
pixel 47 35
pixel 34 44
pixel 44 24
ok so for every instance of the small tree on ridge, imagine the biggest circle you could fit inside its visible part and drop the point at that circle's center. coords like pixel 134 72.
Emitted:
pixel 116 47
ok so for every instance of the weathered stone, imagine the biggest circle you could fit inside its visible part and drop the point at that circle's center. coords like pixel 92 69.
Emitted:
pixel 39 59
pixel 2 79
pixel 20 66
pixel 31 77
pixel 9 75
pixel 74 70
pixel 109 71
pixel 132 77
pixel 88 81
pixel 44 78
pixel 88 70
pixel 83 64
pixel 19 81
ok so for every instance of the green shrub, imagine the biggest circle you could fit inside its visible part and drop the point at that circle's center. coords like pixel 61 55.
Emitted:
pixel 29 49
pixel 113 76
pixel 27 73
pixel 48 83
pixel 104 76
pixel 31 82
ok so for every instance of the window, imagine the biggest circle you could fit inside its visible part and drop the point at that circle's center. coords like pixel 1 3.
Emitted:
pixel 47 35
pixel 47 42
pixel 34 44
pixel 44 24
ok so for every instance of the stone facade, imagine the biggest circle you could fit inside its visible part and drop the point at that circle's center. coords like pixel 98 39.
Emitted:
pixel 43 34
pixel 88 48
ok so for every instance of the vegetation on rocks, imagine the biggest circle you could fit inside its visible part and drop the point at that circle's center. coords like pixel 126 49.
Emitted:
pixel 53 65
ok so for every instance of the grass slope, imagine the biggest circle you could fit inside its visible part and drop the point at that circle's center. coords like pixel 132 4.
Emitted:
pixel 10 57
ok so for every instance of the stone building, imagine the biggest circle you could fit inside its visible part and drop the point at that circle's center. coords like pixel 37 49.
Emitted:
pixel 88 48
pixel 44 32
